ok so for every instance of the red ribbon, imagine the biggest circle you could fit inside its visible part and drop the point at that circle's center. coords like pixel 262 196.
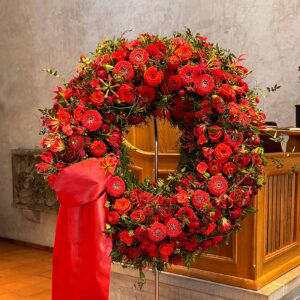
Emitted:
pixel 81 261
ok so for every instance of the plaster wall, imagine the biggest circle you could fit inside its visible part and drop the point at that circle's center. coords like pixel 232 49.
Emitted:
pixel 36 33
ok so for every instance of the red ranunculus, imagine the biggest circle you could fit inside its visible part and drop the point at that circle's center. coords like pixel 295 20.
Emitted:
pixel 97 98
pixel 184 52
pixel 222 152
pixel 147 93
pixel 76 142
pixel 139 57
pixel 138 216
pixel 124 69
pixel 91 120
pixel 204 85
pixel 141 234
pixel 200 199
pixel 152 76
pixel 112 217
pixel 214 167
pixel 173 228
pixel 215 132
pixel 201 167
pixel 115 186
pixel 98 148
pixel 157 232
pixel 119 55
pixel 126 93
pixel 229 168
pixel 125 237
pixel 122 206
pixel 217 185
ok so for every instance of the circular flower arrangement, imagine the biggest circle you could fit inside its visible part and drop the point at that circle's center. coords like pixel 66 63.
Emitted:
pixel 199 88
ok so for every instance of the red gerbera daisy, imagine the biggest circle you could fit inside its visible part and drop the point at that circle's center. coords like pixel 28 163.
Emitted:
pixel 139 57
pixel 126 93
pixel 217 185
pixel 147 93
pixel 76 142
pixel 157 232
pixel 115 186
pixel 98 148
pixel 174 83
pixel 200 199
pixel 124 68
pixel 112 218
pixel 97 98
pixel 187 74
pixel 152 76
pixel 204 85
pixel 91 120
pixel 138 216
pixel 173 228
pixel 141 234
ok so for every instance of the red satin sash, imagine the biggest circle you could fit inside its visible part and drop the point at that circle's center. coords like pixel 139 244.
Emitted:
pixel 81 261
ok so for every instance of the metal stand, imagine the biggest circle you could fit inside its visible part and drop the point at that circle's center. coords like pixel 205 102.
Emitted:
pixel 155 178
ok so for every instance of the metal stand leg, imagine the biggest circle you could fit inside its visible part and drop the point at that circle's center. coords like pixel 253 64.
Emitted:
pixel 156 177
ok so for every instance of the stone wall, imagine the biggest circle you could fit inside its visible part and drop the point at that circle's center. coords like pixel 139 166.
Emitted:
pixel 39 33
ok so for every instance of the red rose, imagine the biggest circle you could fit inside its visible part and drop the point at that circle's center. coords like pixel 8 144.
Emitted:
pixel 122 206
pixel 141 234
pixel 119 55
pixel 124 69
pixel 215 133
pixel 174 83
pixel 64 118
pixel 147 93
pixel 91 120
pixel 152 76
pixel 115 186
pixel 217 185
pixel 97 98
pixel 205 245
pixel 126 93
pixel 145 197
pixel 184 52
pixel 173 62
pixel 78 113
pixel 233 139
pixel 76 142
pixel 201 167
pixel 222 152
pixel 229 168
pixel 98 148
pixel 204 85
pixel 166 249
pixel 125 237
pixel 139 57
pixel 112 218
pixel 138 216
pixel 157 232
pixel 115 139
pixel 94 83
pixel 173 228
pixel 187 74
pixel 214 167
pixel 200 199
pixel 236 213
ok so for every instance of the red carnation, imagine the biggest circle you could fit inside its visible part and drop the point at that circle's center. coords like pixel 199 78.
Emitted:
pixel 217 185
pixel 139 57
pixel 147 93
pixel 201 167
pixel 187 74
pixel 124 69
pixel 112 218
pixel 214 167
pixel 233 139
pixel 229 168
pixel 222 152
pixel 98 148
pixel 119 55
pixel 200 199
pixel 141 234
pixel 174 83
pixel 157 232
pixel 204 85
pixel 115 186
pixel 97 98
pixel 126 93
pixel 184 52
pixel 152 76
pixel 91 120
pixel 76 142
pixel 122 206
pixel 138 216
pixel 173 228
pixel 125 237
pixel 173 62
pixel 215 133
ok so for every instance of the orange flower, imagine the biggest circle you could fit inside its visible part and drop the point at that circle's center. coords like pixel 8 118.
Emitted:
pixel 122 206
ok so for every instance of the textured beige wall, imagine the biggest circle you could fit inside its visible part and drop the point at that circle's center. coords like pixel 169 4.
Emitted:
pixel 38 33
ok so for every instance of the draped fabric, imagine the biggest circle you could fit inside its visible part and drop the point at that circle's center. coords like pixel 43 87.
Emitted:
pixel 81 261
